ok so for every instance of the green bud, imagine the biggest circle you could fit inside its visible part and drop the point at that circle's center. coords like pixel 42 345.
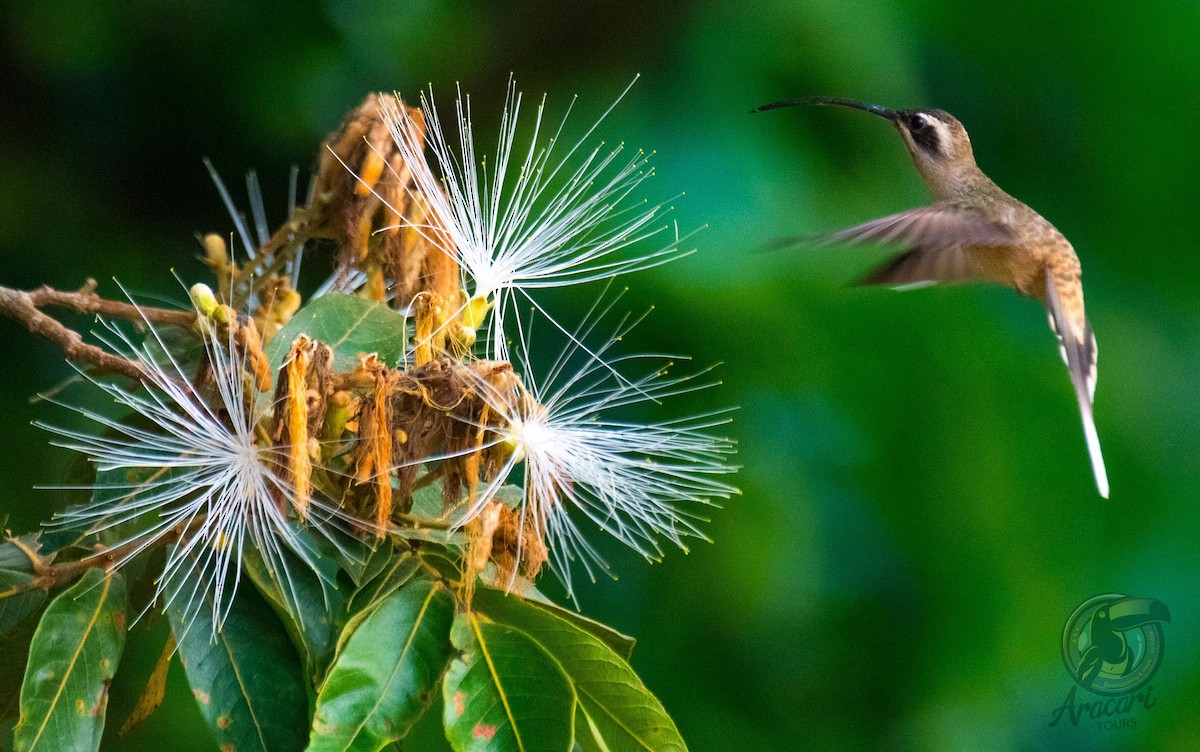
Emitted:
pixel 203 299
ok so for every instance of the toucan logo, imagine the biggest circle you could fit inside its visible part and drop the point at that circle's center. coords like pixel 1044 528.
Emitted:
pixel 1113 644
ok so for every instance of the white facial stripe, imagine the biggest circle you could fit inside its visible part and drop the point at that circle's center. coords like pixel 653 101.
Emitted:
pixel 942 130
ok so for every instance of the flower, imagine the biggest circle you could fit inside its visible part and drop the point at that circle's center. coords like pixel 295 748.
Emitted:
pixel 537 218
pixel 639 482
pixel 197 471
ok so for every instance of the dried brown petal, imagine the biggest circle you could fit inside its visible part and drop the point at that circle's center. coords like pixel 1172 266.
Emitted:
pixel 293 379
pixel 374 463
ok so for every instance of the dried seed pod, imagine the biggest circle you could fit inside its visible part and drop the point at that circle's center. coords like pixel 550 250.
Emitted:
pixel 422 260
pixel 430 312
pixel 374 211
pixel 366 201
pixel 320 380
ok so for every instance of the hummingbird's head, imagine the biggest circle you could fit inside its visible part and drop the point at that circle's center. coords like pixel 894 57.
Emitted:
pixel 936 140
pixel 939 146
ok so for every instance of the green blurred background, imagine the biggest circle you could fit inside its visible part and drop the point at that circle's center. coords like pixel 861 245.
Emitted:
pixel 918 517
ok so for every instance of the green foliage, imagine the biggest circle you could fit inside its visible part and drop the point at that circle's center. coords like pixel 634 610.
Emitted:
pixel 621 644
pixel 17 599
pixel 619 711
pixel 386 570
pixel 350 326
pixel 518 674
pixel 342 650
pixel 387 673
pixel 308 603
pixel 246 677
pixel 505 692
pixel 72 660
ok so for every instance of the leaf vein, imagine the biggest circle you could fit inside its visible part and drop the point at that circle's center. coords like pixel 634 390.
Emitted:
pixel 487 657
pixel 71 664
pixel 392 677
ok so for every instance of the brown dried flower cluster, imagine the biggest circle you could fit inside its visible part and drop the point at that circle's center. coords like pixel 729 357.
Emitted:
pixel 364 437
pixel 368 439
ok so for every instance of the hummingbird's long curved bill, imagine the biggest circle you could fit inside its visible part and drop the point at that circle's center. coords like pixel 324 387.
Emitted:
pixel 874 109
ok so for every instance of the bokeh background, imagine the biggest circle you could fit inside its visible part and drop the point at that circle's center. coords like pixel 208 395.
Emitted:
pixel 918 517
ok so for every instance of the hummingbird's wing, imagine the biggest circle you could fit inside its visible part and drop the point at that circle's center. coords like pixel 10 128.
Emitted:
pixel 920 267
pixel 1064 301
pixel 936 238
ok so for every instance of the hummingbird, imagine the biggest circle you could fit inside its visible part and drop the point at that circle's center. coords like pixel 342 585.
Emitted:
pixel 974 231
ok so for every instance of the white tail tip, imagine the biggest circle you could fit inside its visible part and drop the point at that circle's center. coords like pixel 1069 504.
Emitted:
pixel 1093 445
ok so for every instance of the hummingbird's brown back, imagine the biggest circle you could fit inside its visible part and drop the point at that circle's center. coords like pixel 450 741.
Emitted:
pixel 941 151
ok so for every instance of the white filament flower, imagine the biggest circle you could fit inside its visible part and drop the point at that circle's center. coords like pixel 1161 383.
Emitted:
pixel 195 472
pixel 639 482
pixel 540 218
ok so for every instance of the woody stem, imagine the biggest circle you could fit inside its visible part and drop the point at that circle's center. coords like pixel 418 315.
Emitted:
pixel 24 307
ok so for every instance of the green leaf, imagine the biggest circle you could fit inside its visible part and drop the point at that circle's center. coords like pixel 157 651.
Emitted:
pixel 427 500
pixel 72 659
pixel 442 560
pixel 17 598
pixel 351 557
pixel 18 601
pixel 620 713
pixel 385 572
pixel 621 643
pixel 349 325
pixel 384 678
pixel 388 569
pixel 308 603
pixel 128 485
pixel 13 556
pixel 505 692
pixel 428 515
pixel 585 733
pixel 247 678
pixel 120 483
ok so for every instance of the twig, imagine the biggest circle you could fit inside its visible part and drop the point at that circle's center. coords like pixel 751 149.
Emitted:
pixel 429 477
pixel 24 307
pixel 50 575
pixel 85 300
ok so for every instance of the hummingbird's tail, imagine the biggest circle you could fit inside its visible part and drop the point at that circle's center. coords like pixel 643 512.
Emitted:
pixel 1064 301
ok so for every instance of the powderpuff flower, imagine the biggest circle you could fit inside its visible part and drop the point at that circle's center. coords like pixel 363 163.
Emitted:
pixel 642 483
pixel 541 215
pixel 197 472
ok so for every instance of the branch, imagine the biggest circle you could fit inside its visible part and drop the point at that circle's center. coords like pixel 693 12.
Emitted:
pixel 85 300
pixel 24 307
pixel 49 575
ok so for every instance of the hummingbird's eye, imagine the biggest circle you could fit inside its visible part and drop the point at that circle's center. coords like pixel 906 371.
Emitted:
pixel 917 122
